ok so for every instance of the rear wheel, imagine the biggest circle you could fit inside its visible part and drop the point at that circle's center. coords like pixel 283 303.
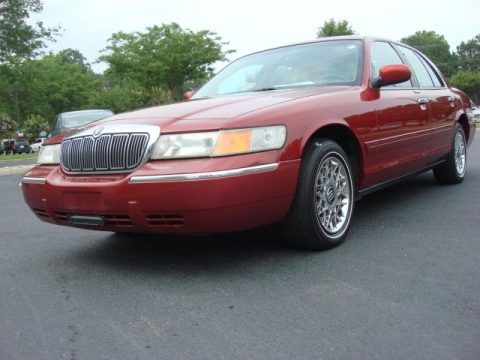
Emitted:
pixel 322 209
pixel 453 170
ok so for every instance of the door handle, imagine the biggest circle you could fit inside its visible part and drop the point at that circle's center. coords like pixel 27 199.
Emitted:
pixel 422 101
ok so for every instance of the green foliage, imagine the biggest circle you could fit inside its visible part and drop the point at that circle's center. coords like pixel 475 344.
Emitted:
pixel 52 85
pixel 334 28
pixel 164 58
pixel 7 129
pixel 4 89
pixel 436 48
pixel 122 96
pixel 469 82
pixel 73 56
pixel 18 39
pixel 33 125
pixel 469 54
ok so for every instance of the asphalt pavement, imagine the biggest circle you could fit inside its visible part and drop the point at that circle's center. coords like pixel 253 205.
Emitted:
pixel 405 285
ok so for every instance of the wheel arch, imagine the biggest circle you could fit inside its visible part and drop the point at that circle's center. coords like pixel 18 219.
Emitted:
pixel 345 137
pixel 463 121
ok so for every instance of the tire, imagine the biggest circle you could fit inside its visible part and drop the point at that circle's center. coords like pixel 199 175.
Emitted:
pixel 325 181
pixel 453 170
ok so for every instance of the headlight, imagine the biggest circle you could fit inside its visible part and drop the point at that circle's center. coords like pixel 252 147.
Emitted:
pixel 49 154
pixel 220 143
pixel 185 145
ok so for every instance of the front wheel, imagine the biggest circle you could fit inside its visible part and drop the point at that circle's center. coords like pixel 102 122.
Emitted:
pixel 453 170
pixel 322 209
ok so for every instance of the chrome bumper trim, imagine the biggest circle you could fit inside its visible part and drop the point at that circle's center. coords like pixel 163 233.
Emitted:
pixel 33 180
pixel 205 175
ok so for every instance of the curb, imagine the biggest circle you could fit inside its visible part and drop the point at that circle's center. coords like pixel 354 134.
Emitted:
pixel 19 169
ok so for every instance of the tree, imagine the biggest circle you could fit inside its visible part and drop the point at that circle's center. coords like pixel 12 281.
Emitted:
pixel 164 58
pixel 333 28
pixel 73 56
pixel 34 125
pixel 120 96
pixel 52 85
pixel 7 129
pixel 18 39
pixel 469 54
pixel 436 48
pixel 469 82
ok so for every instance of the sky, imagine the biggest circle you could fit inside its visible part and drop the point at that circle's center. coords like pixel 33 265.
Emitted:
pixel 251 25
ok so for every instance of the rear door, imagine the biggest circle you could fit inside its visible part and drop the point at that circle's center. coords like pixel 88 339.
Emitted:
pixel 441 102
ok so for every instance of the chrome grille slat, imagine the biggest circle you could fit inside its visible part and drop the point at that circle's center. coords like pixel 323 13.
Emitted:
pixel 101 153
pixel 139 142
pixel 117 157
pixel 76 159
pixel 87 160
pixel 115 152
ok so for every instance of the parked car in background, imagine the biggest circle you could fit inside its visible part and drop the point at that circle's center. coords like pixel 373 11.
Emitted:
pixel 291 135
pixel 37 145
pixel 476 113
pixel 8 147
pixel 74 119
pixel 2 148
pixel 21 147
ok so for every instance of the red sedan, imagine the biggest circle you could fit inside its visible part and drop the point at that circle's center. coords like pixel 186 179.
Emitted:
pixel 291 135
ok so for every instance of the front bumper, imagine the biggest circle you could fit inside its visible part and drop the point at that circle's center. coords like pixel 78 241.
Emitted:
pixel 173 197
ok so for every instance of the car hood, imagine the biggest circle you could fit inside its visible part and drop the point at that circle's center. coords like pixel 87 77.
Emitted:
pixel 205 114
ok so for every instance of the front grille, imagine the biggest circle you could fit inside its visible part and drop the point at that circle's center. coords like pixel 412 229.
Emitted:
pixel 119 152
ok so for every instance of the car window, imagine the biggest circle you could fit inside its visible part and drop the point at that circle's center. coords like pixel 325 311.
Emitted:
pixel 382 53
pixel 417 67
pixel 437 80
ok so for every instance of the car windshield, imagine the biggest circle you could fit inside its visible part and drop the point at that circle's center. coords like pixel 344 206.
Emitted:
pixel 335 62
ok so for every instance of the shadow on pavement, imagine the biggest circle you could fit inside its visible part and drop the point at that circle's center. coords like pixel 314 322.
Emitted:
pixel 226 251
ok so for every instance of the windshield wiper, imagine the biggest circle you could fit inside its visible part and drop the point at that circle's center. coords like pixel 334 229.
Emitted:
pixel 265 89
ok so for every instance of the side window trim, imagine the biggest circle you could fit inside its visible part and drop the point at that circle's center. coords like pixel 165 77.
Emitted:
pixel 416 83
pixel 413 79
pixel 429 66
pixel 431 70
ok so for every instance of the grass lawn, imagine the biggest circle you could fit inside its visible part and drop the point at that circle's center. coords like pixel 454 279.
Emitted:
pixel 10 157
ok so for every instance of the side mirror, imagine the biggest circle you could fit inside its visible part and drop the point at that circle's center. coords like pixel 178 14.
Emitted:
pixel 188 95
pixel 391 74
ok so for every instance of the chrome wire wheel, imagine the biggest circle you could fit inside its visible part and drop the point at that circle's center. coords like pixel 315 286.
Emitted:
pixel 460 153
pixel 324 200
pixel 333 195
pixel 454 167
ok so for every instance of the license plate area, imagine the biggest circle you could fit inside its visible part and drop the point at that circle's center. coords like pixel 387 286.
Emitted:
pixel 86 220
